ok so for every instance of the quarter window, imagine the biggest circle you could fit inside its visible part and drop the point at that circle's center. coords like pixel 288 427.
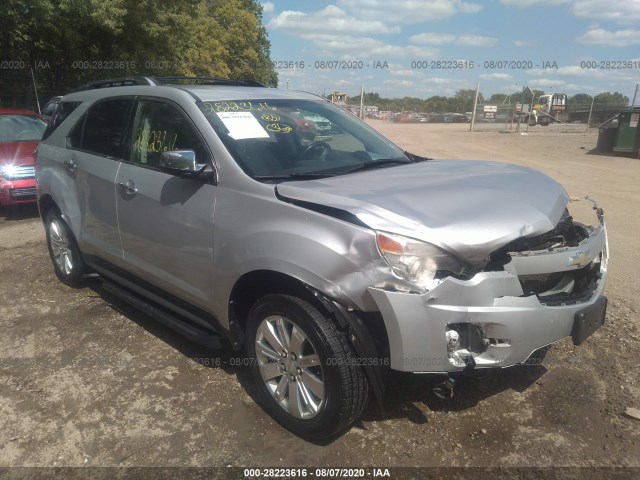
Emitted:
pixel 59 114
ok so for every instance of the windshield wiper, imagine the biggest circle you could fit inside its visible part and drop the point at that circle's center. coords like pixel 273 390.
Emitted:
pixel 371 164
pixel 368 165
pixel 296 176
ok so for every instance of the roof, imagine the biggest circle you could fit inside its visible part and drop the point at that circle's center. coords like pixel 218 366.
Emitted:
pixel 204 93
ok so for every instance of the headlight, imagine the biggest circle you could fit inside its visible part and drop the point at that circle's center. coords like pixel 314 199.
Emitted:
pixel 416 261
pixel 8 171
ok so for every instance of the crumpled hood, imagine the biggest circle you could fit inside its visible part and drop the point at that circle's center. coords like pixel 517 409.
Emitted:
pixel 17 153
pixel 469 208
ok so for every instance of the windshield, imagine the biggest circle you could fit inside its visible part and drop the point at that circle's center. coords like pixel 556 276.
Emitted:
pixel 21 128
pixel 280 139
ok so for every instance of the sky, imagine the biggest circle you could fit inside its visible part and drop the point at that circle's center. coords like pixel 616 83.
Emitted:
pixel 403 48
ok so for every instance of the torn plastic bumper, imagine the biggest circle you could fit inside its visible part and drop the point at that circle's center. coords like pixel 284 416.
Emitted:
pixel 488 321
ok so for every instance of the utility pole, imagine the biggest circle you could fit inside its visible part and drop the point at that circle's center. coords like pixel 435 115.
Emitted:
pixel 35 89
pixel 591 110
pixel 475 105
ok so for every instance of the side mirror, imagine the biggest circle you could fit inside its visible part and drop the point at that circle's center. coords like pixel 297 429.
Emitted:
pixel 181 162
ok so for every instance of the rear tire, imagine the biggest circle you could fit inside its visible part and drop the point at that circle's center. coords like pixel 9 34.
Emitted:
pixel 307 377
pixel 63 250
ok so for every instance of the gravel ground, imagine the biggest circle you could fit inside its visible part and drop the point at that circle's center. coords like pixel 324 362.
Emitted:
pixel 88 381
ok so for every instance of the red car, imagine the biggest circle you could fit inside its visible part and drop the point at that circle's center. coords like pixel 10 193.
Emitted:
pixel 20 133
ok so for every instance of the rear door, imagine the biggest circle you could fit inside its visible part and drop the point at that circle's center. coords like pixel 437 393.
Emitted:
pixel 96 147
pixel 166 222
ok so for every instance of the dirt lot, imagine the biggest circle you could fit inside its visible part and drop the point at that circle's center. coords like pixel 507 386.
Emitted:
pixel 88 381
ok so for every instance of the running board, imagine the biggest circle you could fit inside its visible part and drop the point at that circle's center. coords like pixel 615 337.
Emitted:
pixel 183 326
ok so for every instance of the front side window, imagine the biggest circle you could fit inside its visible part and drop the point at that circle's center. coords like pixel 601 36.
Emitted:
pixel 159 127
pixel 280 139
pixel 105 128
pixel 21 128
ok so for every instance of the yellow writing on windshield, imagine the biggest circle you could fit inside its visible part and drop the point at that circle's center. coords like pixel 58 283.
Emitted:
pixel 278 128
pixel 215 107
pixel 155 141
pixel 270 117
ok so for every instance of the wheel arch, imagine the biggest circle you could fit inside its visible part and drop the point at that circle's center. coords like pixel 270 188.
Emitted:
pixel 45 204
pixel 365 331
pixel 254 285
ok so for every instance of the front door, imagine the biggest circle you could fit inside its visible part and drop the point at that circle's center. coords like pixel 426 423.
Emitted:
pixel 166 222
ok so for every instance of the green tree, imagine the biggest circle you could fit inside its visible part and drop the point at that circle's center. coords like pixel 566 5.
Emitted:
pixel 498 99
pixel 222 38
pixel 463 100
pixel 609 100
pixel 580 101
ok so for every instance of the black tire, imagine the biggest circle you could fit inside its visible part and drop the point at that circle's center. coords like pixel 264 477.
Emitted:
pixel 532 121
pixel 63 250
pixel 346 389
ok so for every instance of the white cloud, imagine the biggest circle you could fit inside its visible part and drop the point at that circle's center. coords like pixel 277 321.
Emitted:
pixel 401 83
pixel 433 38
pixel 443 81
pixel 331 19
pixel 568 71
pixel 429 38
pixel 546 82
pixel 476 41
pixel 620 38
pixel 367 47
pixel 409 11
pixel 401 72
pixel 576 71
pixel 268 7
pixel 626 12
pixel 524 43
pixel 496 76
pixel 528 3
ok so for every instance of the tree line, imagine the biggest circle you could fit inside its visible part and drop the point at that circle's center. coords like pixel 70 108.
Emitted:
pixel 68 42
pixel 463 100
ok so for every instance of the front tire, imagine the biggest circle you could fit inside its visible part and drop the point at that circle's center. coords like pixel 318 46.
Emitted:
pixel 63 250
pixel 307 377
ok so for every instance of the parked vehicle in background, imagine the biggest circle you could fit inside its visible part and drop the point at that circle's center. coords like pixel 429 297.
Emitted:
pixel 20 132
pixel 548 109
pixel 50 108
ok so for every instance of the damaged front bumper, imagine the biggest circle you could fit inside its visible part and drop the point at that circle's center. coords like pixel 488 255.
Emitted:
pixel 488 321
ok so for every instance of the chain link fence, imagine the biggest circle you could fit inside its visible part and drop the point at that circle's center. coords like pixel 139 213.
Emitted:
pixel 521 118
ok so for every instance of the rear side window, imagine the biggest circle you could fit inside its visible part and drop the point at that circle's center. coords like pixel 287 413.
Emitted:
pixel 61 113
pixel 105 128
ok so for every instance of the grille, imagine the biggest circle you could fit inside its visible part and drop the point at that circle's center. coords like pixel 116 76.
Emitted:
pixel 539 283
pixel 23 193
pixel 21 172
pixel 565 232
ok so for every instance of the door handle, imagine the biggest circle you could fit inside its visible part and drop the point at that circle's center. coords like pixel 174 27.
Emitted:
pixel 128 187
pixel 71 165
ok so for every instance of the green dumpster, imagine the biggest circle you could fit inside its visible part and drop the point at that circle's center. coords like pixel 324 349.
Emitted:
pixel 606 139
pixel 628 139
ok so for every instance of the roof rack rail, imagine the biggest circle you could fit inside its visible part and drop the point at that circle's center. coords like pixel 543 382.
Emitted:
pixel 207 81
pixel 154 81
pixel 118 82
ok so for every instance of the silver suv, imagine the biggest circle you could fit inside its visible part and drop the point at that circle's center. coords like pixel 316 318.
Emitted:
pixel 226 211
